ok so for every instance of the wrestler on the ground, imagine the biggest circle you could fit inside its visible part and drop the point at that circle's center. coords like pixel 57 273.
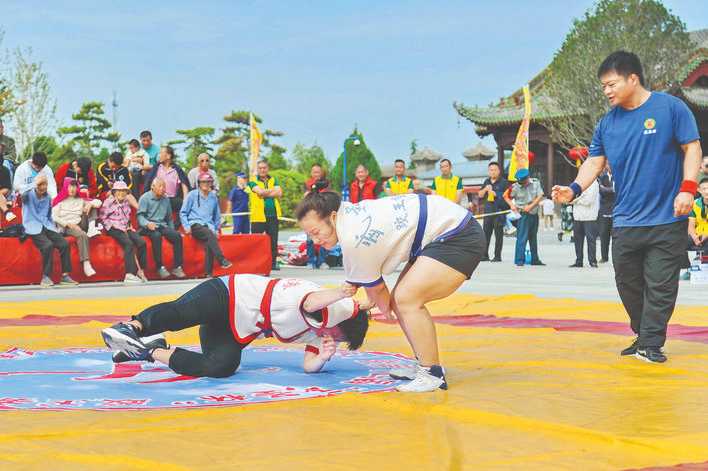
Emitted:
pixel 440 241
pixel 234 310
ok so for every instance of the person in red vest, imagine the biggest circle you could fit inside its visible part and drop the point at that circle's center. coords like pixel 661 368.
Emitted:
pixel 363 187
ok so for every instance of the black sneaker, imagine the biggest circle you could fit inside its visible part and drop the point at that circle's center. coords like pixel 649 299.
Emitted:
pixel 151 343
pixel 538 263
pixel 576 265
pixel 650 354
pixel 124 337
pixel 496 259
pixel 632 349
pixel 226 264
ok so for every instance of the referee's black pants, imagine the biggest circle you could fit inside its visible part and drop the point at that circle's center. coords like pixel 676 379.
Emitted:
pixel 647 261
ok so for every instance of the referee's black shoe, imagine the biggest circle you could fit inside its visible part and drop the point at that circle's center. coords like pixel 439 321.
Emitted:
pixel 650 354
pixel 632 349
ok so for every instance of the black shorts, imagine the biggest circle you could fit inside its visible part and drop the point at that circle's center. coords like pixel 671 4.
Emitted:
pixel 462 252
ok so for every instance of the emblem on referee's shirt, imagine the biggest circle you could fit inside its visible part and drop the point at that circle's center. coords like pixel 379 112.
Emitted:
pixel 650 126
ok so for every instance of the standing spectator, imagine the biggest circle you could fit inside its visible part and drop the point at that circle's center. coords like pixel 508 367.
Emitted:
pixel 115 216
pixel 317 183
pixel 238 203
pixel 363 187
pixel 492 191
pixel 399 184
pixel 318 180
pixel 203 166
pixel 111 172
pixel 201 217
pixel 698 219
pixel 652 143
pixel 76 216
pixel 585 210
pixel 5 191
pixel 447 185
pixel 176 182
pixel 37 220
pixel 155 221
pixel 524 198
pixel 7 144
pixel 549 209
pixel 265 207
pixel 704 169
pixel 29 170
pixel 80 170
pixel 604 219
pixel 152 150
pixel 135 160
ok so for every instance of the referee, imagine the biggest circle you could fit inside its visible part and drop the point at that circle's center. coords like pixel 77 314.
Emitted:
pixel 652 144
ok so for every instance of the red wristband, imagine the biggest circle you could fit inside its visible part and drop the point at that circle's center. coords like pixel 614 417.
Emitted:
pixel 688 186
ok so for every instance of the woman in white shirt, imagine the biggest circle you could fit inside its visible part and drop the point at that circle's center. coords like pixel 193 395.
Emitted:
pixel 440 242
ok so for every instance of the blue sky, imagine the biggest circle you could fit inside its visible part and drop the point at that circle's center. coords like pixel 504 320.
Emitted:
pixel 311 69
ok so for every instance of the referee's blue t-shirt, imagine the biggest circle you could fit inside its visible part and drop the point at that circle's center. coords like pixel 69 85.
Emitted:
pixel 643 148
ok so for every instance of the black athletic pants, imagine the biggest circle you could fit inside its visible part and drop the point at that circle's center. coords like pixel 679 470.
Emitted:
pixel 211 243
pixel 270 227
pixel 605 228
pixel 130 240
pixel 582 231
pixel 205 305
pixel 46 241
pixel 495 224
pixel 647 262
pixel 172 236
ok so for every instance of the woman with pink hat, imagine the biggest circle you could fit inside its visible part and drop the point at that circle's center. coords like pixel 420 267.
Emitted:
pixel 115 216
pixel 75 215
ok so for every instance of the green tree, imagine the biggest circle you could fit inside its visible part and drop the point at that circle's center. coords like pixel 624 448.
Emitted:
pixel 357 153
pixel 276 158
pixel 292 183
pixel 197 140
pixel 92 130
pixel 306 157
pixel 644 27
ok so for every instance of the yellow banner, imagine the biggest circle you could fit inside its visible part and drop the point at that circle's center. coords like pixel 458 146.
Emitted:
pixel 256 140
pixel 520 153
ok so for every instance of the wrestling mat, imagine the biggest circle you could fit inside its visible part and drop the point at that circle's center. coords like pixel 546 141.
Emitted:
pixel 534 384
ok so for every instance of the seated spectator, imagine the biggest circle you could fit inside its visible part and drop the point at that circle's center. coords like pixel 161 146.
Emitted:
pixel 176 182
pixel 152 150
pixel 115 216
pixel 363 187
pixel 76 216
pixel 5 191
pixel 155 221
pixel 201 217
pixel 399 184
pixel 135 160
pixel 8 147
pixel 30 169
pixel 38 224
pixel 238 203
pixel 204 166
pixel 111 172
pixel 80 170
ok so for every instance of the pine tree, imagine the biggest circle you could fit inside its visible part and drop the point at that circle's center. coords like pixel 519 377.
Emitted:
pixel 357 154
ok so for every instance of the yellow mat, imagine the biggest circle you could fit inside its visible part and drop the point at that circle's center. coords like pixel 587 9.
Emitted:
pixel 519 398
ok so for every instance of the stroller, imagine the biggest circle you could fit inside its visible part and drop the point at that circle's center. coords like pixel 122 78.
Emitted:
pixel 566 225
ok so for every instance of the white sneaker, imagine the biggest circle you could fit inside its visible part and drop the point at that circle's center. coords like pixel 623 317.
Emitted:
pixel 163 272
pixel 88 269
pixel 9 216
pixel 92 231
pixel 46 282
pixel 130 278
pixel 405 372
pixel 426 380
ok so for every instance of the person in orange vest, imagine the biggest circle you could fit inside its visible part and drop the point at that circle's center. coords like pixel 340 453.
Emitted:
pixel 363 187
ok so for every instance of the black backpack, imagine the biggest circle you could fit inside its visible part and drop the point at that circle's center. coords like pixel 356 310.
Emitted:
pixel 16 230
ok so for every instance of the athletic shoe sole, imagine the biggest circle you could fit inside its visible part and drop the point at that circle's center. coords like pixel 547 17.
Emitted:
pixel 116 340
pixel 643 358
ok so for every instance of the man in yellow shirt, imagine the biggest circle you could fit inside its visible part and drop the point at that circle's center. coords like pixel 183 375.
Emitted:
pixel 265 193
pixel 399 184
pixel 447 185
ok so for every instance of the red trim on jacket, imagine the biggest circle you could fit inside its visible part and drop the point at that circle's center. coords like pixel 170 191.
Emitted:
pixel 368 192
pixel 312 349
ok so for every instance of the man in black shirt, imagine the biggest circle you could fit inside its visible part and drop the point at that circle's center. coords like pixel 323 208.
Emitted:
pixel 604 218
pixel 492 190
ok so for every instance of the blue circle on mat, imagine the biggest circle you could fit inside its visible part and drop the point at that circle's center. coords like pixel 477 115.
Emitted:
pixel 86 378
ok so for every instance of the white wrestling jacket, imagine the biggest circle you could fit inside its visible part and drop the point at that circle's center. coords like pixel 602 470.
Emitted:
pixel 270 307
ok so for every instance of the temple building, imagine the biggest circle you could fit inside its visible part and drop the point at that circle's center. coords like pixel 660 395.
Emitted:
pixel 551 165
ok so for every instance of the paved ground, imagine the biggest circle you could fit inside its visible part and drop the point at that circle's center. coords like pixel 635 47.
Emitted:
pixel 555 280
